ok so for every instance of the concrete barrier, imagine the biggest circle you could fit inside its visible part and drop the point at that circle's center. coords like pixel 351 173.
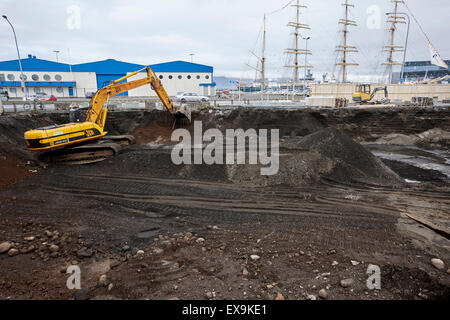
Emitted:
pixel 404 92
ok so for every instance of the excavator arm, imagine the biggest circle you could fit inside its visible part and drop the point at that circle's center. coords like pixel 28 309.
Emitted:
pixel 98 110
pixel 385 89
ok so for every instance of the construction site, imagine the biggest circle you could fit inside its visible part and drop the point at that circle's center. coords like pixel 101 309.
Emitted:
pixel 113 187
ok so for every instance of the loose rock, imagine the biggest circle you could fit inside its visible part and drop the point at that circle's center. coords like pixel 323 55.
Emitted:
pixel 279 296
pixel 311 297
pixel 438 263
pixel 255 257
pixel 4 247
pixel 54 248
pixel 13 252
pixel 323 294
pixel 103 281
pixel 347 283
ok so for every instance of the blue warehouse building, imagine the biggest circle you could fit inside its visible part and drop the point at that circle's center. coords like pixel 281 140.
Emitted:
pixel 64 80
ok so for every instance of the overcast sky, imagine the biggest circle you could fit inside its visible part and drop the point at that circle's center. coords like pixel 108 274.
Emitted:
pixel 219 32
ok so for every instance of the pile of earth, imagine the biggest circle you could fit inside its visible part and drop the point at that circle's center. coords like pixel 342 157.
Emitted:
pixel 434 138
pixel 327 154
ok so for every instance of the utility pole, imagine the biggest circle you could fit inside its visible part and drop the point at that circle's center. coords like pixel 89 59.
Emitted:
pixel 296 52
pixel 345 48
pixel 394 19
pixel 22 76
pixel 261 59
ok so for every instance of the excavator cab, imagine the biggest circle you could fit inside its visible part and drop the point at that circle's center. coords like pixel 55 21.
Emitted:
pixel 362 93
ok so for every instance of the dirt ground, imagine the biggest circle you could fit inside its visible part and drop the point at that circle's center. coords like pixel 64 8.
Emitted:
pixel 141 227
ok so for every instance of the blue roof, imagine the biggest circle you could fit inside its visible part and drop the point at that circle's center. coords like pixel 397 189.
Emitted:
pixel 33 64
pixel 181 66
pixel 109 66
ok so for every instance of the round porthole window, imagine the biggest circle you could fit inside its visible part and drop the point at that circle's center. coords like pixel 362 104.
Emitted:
pixel 206 77
pixel 58 77
pixel 59 90
pixel 161 77
pixel 11 77
pixel 35 77
pixel 189 77
pixel 170 77
pixel 23 77
pixel 46 77
pixel 180 77
pixel 198 77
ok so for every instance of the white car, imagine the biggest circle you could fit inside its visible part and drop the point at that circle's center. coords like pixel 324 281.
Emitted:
pixel 190 97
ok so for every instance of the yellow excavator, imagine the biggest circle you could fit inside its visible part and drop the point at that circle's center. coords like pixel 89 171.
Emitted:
pixel 363 93
pixel 72 142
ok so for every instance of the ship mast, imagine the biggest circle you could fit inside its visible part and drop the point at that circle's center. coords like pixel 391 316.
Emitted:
pixel 394 19
pixel 261 59
pixel 297 51
pixel 346 49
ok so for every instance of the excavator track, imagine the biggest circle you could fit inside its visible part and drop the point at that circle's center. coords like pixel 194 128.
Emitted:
pixel 106 147
pixel 84 154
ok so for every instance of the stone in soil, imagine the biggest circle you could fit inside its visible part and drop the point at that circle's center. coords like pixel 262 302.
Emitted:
pixel 347 283
pixel 13 252
pixel 323 294
pixel 4 247
pixel 438 264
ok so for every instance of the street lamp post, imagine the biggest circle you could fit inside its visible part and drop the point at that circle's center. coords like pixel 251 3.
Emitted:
pixel 406 42
pixel 192 57
pixel 22 77
pixel 56 52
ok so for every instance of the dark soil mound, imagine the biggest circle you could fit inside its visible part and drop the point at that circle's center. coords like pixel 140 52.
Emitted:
pixel 352 162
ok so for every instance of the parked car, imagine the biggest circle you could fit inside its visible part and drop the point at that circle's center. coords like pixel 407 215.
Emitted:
pixel 47 98
pixel 4 95
pixel 35 97
pixel 190 97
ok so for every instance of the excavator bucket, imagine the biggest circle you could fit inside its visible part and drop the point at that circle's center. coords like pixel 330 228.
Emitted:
pixel 183 116
pixel 184 112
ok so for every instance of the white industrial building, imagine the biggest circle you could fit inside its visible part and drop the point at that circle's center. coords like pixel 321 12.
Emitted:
pixel 64 81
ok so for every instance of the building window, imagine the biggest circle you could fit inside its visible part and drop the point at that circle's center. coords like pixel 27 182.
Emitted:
pixel 189 77
pixel 198 77
pixel 23 77
pixel 170 77
pixel 206 77
pixel 161 77
pixel 13 90
pixel 180 77
pixel 59 90
pixel 46 77
pixel 11 77
pixel 58 77
pixel 36 90
pixel 35 77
